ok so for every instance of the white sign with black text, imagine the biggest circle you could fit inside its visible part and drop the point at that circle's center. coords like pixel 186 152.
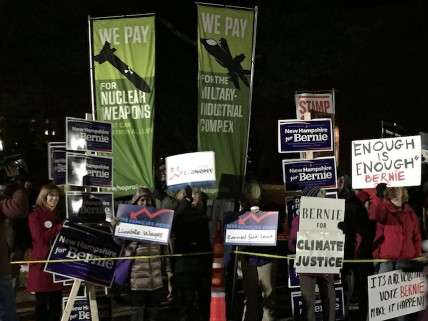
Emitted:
pixel 394 161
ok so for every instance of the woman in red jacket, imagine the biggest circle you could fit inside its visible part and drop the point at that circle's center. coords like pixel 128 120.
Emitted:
pixel 44 223
pixel 397 233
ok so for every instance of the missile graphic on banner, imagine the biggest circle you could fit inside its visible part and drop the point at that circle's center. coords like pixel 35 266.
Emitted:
pixel 107 54
pixel 221 52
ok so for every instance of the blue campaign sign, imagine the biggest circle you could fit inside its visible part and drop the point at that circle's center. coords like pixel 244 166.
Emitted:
pixel 305 135
pixel 292 206
pixel 91 207
pixel 93 248
pixel 85 170
pixel 298 310
pixel 80 310
pixel 88 135
pixel 253 228
pixel 300 173
pixel 59 166
pixel 143 223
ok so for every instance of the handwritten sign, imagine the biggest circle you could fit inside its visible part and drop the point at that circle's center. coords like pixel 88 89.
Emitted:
pixel 144 223
pixel 301 135
pixel 396 293
pixel 253 228
pixel 424 143
pixel 299 173
pixel 394 161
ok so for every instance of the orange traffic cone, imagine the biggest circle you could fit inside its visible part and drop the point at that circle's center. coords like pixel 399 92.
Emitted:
pixel 218 296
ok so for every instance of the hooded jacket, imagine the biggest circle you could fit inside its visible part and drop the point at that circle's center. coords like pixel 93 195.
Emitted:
pixel 397 231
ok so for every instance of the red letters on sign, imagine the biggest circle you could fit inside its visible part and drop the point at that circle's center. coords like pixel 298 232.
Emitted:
pixel 411 289
pixel 385 177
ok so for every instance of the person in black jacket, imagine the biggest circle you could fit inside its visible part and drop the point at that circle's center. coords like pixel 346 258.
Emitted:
pixel 359 233
pixel 192 274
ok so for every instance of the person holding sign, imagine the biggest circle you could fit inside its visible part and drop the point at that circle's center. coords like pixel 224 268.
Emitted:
pixel 397 232
pixel 359 233
pixel 146 279
pixel 192 274
pixel 308 280
pixel 45 223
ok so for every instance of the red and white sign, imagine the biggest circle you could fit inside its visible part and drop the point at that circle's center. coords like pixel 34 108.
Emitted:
pixel 306 102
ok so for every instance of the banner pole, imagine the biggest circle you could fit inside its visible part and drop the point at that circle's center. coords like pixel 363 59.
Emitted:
pixel 91 66
pixel 251 91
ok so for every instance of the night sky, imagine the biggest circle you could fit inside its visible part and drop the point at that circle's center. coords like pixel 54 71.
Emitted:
pixel 372 52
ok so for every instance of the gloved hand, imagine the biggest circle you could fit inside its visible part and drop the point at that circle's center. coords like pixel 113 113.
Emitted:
pixel 380 190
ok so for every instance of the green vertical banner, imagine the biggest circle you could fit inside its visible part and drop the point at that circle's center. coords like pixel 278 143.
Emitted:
pixel 225 52
pixel 123 61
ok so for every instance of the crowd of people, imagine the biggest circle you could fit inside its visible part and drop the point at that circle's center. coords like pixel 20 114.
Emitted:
pixel 378 224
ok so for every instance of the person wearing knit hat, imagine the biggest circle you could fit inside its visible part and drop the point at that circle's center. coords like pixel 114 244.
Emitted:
pixel 143 193
pixel 308 280
pixel 146 276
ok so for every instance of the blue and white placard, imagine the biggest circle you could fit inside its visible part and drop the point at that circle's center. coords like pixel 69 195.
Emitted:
pixel 305 135
pixel 300 173
pixel 253 228
pixel 144 223
pixel 88 135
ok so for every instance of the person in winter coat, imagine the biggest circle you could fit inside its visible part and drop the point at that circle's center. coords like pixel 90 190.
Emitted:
pixel 44 223
pixel 12 206
pixel 192 274
pixel 258 273
pixel 397 229
pixel 398 236
pixel 359 233
pixel 308 280
pixel 146 279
